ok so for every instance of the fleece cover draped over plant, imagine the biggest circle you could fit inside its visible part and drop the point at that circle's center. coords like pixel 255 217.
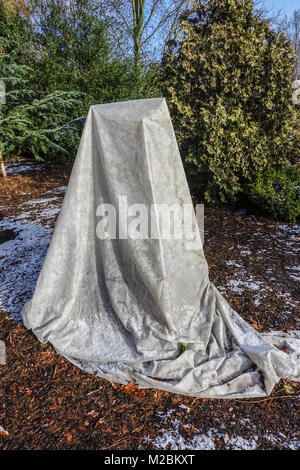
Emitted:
pixel 123 308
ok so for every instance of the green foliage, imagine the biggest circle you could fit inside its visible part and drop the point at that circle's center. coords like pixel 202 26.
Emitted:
pixel 27 123
pixel 75 54
pixel 226 75
pixel 277 192
pixel 56 64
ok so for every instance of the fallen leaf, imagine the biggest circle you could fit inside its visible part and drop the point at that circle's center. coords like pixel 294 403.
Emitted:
pixel 68 436
pixel 288 387
pixel 130 388
pixel 256 325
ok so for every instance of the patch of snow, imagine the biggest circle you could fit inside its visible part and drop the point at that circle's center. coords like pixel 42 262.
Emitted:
pixel 253 285
pixel 240 443
pixel 294 268
pixel 291 229
pixel 15 169
pixel 233 285
pixel 41 210
pixel 165 415
pixel 238 285
pixel 175 441
pixel 233 263
pixel 286 237
pixel 58 190
pixel 44 201
pixel 12 169
pixel 244 421
pixel 296 278
pixel 279 438
pixel 288 300
pixel 293 233
pixel 21 260
pixel 245 252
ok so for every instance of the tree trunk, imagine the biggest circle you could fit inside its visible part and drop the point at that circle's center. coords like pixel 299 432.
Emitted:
pixel 138 9
pixel 137 62
pixel 137 53
pixel 2 167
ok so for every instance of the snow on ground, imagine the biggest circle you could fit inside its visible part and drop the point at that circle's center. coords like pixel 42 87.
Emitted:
pixel 41 210
pixel 173 439
pixel 21 260
pixel 295 274
pixel 59 190
pixel 292 246
pixel 292 444
pixel 15 168
pixel 241 280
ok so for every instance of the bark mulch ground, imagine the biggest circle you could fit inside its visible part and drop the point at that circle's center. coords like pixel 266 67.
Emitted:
pixel 47 403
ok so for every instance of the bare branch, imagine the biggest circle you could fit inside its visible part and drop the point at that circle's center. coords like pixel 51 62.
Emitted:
pixel 153 9
pixel 164 19
pixel 114 5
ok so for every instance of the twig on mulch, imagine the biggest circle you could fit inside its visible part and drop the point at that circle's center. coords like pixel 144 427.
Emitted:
pixel 94 391
pixel 124 439
pixel 295 395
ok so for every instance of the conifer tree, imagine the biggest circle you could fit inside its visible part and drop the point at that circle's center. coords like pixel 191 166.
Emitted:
pixel 26 121
pixel 227 77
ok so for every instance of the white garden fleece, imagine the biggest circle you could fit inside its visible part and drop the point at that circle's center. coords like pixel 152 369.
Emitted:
pixel 122 308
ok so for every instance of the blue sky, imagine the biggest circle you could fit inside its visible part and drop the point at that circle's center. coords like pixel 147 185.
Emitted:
pixel 287 6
